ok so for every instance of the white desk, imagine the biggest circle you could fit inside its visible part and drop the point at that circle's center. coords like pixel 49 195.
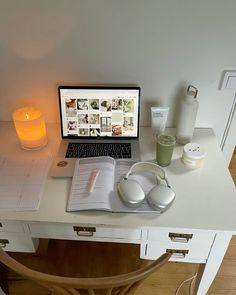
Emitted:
pixel 203 213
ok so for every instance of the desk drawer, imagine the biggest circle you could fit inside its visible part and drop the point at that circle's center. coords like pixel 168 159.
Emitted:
pixel 180 236
pixel 11 226
pixel 184 245
pixel 179 253
pixel 17 242
pixel 84 232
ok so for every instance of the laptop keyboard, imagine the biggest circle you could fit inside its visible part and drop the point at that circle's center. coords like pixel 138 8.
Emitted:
pixel 85 150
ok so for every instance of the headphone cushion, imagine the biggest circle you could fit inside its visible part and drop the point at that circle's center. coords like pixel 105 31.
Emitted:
pixel 160 197
pixel 131 192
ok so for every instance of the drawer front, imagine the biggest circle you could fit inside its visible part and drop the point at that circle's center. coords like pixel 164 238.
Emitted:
pixel 17 242
pixel 184 245
pixel 11 226
pixel 155 249
pixel 78 232
pixel 180 236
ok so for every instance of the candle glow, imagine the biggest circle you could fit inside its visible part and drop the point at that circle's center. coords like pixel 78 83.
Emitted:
pixel 30 128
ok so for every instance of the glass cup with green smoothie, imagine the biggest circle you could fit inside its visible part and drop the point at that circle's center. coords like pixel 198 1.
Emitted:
pixel 164 149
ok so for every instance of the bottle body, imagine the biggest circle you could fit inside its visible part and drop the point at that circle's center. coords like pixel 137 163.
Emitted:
pixel 187 118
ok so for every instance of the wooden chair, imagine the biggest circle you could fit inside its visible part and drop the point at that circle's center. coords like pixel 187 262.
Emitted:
pixel 118 284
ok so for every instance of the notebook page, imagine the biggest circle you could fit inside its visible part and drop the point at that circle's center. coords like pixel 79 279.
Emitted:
pixel 98 199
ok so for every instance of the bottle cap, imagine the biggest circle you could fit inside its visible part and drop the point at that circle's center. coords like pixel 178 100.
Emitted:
pixel 192 91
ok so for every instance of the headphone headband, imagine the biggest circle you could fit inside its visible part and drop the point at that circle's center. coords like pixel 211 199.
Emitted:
pixel 159 197
pixel 147 166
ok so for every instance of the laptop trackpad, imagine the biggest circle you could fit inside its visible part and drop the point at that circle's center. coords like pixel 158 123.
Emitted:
pixel 62 167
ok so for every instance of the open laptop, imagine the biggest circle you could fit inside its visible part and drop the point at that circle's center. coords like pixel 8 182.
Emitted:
pixel 97 121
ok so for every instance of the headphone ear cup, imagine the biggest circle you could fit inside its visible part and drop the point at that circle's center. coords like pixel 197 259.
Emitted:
pixel 160 197
pixel 131 192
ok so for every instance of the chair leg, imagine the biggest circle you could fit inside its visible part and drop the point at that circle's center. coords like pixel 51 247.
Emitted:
pixel 3 279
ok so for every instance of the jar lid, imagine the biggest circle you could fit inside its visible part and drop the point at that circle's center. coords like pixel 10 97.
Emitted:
pixel 194 150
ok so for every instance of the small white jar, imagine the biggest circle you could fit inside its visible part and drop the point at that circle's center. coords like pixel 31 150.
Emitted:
pixel 193 155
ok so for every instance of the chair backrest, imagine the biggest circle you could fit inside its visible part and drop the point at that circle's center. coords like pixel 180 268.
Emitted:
pixel 119 285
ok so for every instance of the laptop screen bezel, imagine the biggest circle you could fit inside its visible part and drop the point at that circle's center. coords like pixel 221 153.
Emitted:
pixel 100 88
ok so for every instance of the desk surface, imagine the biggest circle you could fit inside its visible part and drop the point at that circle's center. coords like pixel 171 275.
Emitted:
pixel 205 197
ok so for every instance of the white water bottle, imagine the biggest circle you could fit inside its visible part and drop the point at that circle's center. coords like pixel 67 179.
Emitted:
pixel 187 116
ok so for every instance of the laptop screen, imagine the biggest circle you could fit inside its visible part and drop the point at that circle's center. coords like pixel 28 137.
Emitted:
pixel 89 112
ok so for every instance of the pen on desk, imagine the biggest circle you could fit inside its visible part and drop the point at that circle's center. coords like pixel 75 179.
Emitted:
pixel 92 180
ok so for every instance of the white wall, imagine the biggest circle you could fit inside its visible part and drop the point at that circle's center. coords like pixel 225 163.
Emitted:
pixel 157 44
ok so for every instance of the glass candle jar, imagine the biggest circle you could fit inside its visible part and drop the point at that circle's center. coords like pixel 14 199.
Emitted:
pixel 30 128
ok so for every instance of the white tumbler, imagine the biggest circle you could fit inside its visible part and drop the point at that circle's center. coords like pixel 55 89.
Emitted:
pixel 187 116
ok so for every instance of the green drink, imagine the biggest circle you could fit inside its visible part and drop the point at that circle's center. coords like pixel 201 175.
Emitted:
pixel 164 149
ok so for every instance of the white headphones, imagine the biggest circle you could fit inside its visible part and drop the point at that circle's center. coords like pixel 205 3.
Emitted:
pixel 160 196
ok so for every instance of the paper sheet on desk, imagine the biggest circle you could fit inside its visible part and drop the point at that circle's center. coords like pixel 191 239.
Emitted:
pixel 22 181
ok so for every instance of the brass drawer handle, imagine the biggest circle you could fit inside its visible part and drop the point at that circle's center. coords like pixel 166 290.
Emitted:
pixel 3 243
pixel 177 253
pixel 84 231
pixel 180 238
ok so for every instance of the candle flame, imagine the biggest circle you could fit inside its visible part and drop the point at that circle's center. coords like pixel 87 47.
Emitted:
pixel 27 116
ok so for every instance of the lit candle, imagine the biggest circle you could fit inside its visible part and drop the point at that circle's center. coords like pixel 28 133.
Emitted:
pixel 30 128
